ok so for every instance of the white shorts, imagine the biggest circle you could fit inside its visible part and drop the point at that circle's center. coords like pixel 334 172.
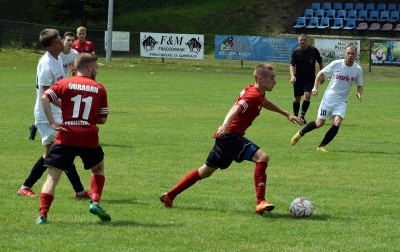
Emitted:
pixel 326 111
pixel 47 132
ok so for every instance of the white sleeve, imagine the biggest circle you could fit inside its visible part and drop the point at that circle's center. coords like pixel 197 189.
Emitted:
pixel 328 70
pixel 45 74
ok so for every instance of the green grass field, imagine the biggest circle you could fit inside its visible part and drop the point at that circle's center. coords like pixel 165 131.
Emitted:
pixel 162 118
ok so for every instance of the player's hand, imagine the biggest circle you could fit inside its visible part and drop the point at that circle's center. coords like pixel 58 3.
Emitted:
pixel 358 96
pixel 295 119
pixel 57 127
pixel 292 80
pixel 221 131
pixel 314 91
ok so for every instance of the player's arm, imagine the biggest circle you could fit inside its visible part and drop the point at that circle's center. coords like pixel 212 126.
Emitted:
pixel 360 90
pixel 292 76
pixel 56 102
pixel 233 112
pixel 47 111
pixel 317 82
pixel 101 120
pixel 321 66
pixel 273 107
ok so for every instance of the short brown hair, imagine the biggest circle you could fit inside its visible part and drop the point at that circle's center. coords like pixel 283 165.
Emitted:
pixel 84 59
pixel 69 33
pixel 46 37
pixel 262 70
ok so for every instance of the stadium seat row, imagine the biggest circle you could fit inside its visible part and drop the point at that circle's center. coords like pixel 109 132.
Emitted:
pixel 357 7
pixel 383 16
pixel 338 23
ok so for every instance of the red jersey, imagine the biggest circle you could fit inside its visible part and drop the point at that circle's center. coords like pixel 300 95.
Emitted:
pixel 251 102
pixel 83 47
pixel 83 100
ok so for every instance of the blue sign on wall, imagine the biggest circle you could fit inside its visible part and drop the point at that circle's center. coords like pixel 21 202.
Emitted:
pixel 254 48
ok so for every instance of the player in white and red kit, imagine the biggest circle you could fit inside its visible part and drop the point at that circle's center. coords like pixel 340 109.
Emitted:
pixel 81 45
pixel 344 73
pixel 230 143
pixel 68 55
pixel 84 105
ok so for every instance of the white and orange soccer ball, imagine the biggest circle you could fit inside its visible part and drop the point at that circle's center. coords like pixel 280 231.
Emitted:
pixel 301 207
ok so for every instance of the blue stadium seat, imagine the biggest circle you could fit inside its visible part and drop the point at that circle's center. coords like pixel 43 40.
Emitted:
pixel 341 14
pixel 370 7
pixel 301 22
pixel 326 6
pixel 351 14
pixel 350 24
pixel 362 15
pixel 383 16
pixel 392 7
pixel 338 6
pixel 315 6
pixel 373 16
pixel 313 22
pixel 381 7
pixel 330 14
pixel 348 6
pixel 338 23
pixel 394 16
pixel 308 13
pixel 359 7
pixel 324 23
pixel 319 13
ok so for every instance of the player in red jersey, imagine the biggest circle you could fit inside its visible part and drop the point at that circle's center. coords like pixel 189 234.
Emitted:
pixel 82 45
pixel 230 143
pixel 84 105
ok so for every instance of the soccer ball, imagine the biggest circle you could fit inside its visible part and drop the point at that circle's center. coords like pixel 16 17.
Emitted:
pixel 301 207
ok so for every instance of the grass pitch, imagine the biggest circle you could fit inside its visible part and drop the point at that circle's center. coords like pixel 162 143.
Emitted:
pixel 160 127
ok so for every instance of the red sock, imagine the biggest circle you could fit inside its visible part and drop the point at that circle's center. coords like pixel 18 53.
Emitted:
pixel 45 203
pixel 260 180
pixel 190 179
pixel 97 185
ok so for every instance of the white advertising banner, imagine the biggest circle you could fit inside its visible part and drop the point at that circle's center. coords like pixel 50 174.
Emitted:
pixel 120 41
pixel 167 45
pixel 333 49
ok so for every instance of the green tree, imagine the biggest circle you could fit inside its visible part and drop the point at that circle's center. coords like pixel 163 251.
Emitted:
pixel 62 11
pixel 22 10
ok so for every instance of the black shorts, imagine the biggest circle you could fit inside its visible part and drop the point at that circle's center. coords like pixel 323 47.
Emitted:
pixel 62 156
pixel 231 147
pixel 302 86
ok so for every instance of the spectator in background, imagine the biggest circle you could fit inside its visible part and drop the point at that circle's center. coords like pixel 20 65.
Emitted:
pixel 302 74
pixel 81 45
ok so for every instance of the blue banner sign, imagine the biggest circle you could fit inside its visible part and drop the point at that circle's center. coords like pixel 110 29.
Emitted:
pixel 385 52
pixel 254 48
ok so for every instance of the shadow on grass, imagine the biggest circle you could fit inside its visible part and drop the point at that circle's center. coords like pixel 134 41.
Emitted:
pixel 315 217
pixel 367 152
pixel 123 201
pixel 129 223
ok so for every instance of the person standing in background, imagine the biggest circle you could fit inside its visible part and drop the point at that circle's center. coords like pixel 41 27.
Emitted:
pixel 81 45
pixel 68 55
pixel 302 74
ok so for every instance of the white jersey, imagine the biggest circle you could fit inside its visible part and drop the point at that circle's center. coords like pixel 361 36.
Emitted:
pixel 48 72
pixel 342 78
pixel 68 61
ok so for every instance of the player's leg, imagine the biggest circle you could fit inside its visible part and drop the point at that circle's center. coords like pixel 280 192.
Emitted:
pixel 260 179
pixel 48 135
pixel 338 115
pixel 298 91
pixel 75 180
pixel 47 194
pixel 93 159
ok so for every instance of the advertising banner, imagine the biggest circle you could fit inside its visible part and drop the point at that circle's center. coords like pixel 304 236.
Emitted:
pixel 167 45
pixel 385 52
pixel 333 49
pixel 254 48
pixel 120 41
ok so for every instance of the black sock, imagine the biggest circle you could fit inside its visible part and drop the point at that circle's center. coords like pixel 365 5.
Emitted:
pixel 304 108
pixel 36 173
pixel 296 108
pixel 309 127
pixel 74 178
pixel 329 135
